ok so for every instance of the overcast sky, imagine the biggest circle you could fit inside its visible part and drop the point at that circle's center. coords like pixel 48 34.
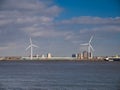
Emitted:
pixel 59 26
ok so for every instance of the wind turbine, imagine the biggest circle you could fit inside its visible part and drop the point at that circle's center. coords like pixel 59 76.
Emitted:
pixel 31 48
pixel 89 47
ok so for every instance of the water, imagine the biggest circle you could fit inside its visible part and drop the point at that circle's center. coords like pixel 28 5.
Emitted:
pixel 59 75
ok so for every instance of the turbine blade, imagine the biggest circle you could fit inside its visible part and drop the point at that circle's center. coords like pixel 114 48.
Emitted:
pixel 90 39
pixel 30 40
pixel 28 47
pixel 35 45
pixel 91 47
pixel 85 44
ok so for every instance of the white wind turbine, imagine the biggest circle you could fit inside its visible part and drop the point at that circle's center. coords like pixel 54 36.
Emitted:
pixel 89 47
pixel 31 48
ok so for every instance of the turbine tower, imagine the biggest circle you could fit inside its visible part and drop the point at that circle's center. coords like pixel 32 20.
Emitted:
pixel 31 48
pixel 89 46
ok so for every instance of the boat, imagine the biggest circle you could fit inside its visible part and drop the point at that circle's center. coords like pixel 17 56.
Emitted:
pixel 112 59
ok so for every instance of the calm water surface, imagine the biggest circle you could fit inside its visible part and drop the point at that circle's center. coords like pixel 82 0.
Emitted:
pixel 59 75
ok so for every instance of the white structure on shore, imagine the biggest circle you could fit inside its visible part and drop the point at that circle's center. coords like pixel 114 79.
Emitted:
pixel 31 48
pixel 49 55
pixel 43 56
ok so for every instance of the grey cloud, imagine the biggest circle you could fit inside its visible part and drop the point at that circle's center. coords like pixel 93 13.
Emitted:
pixel 107 29
pixel 92 20
pixel 17 16
pixel 22 5
pixel 30 7
pixel 5 22
pixel 44 31
pixel 34 19
pixel 11 12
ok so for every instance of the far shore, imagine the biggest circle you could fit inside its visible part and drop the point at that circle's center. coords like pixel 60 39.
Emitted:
pixel 92 60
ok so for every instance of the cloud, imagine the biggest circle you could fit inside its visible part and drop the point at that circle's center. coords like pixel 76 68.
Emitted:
pixel 8 46
pixel 5 22
pixel 108 29
pixel 20 19
pixel 92 20
pixel 44 31
pixel 88 25
pixel 34 19
pixel 13 48
pixel 27 17
pixel 30 7
pixel 48 33
pixel 27 12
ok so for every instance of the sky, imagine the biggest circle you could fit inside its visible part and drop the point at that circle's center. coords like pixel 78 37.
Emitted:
pixel 59 27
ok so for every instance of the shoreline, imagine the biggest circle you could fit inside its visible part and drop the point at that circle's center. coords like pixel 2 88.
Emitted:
pixel 76 60
pixel 19 58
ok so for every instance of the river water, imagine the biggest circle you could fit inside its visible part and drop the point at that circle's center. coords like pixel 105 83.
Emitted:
pixel 59 75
